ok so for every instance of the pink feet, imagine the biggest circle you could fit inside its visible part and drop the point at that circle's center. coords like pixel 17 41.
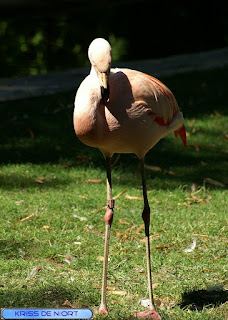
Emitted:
pixel 103 309
pixel 148 314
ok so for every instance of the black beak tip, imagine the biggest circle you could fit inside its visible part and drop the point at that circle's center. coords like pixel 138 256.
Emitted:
pixel 105 94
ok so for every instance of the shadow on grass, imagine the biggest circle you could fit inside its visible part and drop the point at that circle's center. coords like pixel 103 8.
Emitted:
pixel 197 300
pixel 20 181
pixel 48 297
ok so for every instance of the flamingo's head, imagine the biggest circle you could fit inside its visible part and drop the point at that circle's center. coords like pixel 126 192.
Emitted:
pixel 100 56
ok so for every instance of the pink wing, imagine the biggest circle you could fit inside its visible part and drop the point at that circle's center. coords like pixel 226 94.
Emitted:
pixel 167 106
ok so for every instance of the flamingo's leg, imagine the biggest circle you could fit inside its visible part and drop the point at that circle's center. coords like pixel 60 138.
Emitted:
pixel 108 222
pixel 151 313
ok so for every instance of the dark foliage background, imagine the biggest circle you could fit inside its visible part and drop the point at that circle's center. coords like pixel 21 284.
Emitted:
pixel 38 37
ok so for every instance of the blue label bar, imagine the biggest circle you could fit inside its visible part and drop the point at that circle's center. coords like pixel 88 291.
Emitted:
pixel 46 313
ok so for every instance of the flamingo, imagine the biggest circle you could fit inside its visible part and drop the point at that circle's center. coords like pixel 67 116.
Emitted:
pixel 124 111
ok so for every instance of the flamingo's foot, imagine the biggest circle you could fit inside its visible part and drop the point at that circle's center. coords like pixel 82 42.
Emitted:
pixel 148 314
pixel 103 309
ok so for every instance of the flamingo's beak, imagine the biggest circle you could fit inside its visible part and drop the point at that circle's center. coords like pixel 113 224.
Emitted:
pixel 104 86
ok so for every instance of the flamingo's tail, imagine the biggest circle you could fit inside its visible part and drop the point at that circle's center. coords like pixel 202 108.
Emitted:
pixel 182 133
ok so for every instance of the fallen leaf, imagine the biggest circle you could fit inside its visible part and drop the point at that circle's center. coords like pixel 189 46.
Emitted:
pixel 101 258
pixel 31 133
pixel 21 252
pixel 83 158
pixel 162 248
pixel 68 258
pixel 214 182
pixel 158 303
pixel 64 165
pixel 140 229
pixel 68 304
pixel 184 204
pixel 192 246
pixel 125 236
pixel 118 234
pixel 203 164
pixel 83 197
pixel 33 272
pixel 218 114
pixel 172 173
pixel 191 122
pixel 80 218
pixel 111 288
pixel 123 222
pixel 193 199
pixel 38 268
pixel 75 176
pixel 46 228
pixel 196 146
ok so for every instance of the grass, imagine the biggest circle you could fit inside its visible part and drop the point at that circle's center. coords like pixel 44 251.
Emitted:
pixel 52 228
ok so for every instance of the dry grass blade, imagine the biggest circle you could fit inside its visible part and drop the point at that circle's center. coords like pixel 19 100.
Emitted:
pixel 116 160
pixel 92 181
pixel 133 198
pixel 26 218
pixel 214 182
pixel 20 202
pixel 157 169
pixel 153 168
pixel 118 292
pixel 40 180
pixel 121 262
pixel 120 194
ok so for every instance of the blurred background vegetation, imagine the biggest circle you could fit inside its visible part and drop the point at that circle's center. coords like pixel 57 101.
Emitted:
pixel 43 36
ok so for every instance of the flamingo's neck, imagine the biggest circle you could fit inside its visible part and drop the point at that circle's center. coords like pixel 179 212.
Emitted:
pixel 87 116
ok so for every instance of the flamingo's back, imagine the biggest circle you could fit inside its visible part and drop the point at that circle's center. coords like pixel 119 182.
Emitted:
pixel 138 113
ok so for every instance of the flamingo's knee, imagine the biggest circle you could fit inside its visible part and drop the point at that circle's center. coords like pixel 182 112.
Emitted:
pixel 108 217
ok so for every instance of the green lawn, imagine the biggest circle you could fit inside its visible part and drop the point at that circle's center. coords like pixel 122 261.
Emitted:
pixel 52 199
